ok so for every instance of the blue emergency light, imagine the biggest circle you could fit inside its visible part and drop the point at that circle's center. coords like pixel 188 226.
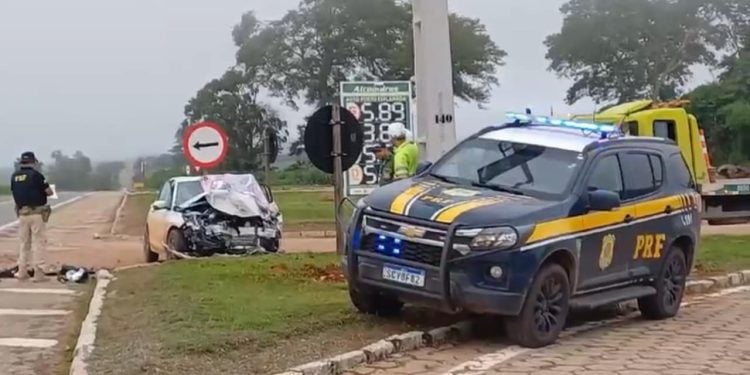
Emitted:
pixel 388 245
pixel 570 124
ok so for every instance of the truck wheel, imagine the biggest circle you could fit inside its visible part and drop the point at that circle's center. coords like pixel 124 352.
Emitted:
pixel 149 255
pixel 545 310
pixel 374 303
pixel 670 287
pixel 175 241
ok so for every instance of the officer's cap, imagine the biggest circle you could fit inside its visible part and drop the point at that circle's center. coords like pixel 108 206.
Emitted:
pixel 28 157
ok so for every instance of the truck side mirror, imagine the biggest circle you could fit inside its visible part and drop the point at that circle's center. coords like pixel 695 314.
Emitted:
pixel 423 167
pixel 603 200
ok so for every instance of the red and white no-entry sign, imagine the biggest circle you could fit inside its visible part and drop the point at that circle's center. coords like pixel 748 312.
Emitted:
pixel 205 145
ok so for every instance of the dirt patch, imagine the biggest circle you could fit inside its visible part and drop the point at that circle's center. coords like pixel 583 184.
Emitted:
pixel 329 273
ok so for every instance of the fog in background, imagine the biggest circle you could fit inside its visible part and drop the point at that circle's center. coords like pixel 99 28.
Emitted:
pixel 111 78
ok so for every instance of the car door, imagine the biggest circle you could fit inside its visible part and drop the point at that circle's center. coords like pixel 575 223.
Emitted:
pixel 643 172
pixel 607 241
pixel 157 219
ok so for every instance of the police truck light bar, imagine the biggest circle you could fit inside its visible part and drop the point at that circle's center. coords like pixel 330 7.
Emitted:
pixel 543 120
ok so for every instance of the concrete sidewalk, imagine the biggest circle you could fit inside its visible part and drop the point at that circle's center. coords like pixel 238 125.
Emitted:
pixel 36 320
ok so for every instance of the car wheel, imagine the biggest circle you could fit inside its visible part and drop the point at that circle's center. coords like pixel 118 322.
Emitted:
pixel 271 245
pixel 374 303
pixel 545 310
pixel 175 241
pixel 670 287
pixel 149 255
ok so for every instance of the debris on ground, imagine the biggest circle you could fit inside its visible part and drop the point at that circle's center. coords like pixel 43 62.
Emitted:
pixel 64 273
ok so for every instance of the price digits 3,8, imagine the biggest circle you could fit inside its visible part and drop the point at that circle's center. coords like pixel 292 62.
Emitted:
pixel 377 116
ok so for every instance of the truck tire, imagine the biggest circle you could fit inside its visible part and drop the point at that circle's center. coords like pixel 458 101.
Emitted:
pixel 550 295
pixel 148 255
pixel 176 241
pixel 670 287
pixel 373 303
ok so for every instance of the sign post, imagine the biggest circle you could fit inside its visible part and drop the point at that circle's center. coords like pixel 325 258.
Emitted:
pixel 338 172
pixel 205 145
pixel 376 105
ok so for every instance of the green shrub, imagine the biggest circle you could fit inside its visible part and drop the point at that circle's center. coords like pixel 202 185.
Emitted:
pixel 4 190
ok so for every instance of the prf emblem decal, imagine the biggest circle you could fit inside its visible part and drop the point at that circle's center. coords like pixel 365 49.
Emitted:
pixel 460 192
pixel 608 251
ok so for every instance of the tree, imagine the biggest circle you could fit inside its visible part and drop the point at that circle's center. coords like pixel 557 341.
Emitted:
pixel 297 147
pixel 70 172
pixel 723 110
pixel 323 42
pixel 106 175
pixel 624 50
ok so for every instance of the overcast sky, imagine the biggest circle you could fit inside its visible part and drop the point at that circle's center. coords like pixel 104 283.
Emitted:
pixel 111 78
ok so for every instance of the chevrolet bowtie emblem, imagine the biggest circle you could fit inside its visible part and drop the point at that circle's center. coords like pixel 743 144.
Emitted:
pixel 410 231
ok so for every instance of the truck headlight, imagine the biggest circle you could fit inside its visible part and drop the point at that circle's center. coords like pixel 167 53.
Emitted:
pixel 497 238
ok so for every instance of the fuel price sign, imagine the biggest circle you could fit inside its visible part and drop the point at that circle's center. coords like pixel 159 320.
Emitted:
pixel 376 105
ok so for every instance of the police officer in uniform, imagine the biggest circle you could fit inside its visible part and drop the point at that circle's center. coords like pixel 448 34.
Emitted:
pixel 30 191
pixel 405 152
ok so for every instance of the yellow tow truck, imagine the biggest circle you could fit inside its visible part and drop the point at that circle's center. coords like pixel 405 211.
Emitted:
pixel 724 201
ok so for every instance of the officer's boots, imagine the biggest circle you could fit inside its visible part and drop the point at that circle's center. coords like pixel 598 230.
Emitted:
pixel 39 275
pixel 22 274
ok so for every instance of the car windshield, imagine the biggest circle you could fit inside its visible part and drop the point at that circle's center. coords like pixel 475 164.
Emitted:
pixel 514 167
pixel 187 190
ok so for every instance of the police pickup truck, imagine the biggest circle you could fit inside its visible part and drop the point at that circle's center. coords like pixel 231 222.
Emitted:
pixel 527 220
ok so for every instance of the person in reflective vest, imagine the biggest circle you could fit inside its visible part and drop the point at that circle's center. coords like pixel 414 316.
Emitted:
pixel 405 152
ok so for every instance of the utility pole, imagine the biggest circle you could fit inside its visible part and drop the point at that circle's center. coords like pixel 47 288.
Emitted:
pixel 266 154
pixel 436 127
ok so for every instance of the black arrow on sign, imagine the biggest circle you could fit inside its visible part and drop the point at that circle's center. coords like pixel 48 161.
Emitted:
pixel 199 145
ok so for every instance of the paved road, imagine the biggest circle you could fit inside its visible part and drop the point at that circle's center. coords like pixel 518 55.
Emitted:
pixel 711 335
pixel 8 215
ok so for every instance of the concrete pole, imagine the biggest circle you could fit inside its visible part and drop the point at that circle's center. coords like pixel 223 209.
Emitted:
pixel 436 127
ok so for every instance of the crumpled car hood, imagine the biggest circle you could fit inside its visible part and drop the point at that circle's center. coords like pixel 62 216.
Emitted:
pixel 236 195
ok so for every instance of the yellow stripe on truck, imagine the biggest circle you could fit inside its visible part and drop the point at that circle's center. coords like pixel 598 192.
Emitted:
pixel 561 227
pixel 399 204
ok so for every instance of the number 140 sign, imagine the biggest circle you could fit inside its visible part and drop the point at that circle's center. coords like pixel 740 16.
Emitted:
pixel 376 105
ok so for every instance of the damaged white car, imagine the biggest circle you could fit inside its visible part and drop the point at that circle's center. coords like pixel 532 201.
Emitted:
pixel 212 214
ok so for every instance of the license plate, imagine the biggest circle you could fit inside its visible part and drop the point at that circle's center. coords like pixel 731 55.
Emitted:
pixel 404 275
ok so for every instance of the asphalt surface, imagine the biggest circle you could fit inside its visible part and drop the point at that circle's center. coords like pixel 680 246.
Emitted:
pixel 8 214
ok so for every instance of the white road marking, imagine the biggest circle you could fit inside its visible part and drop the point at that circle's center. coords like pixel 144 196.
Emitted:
pixel 33 312
pixel 27 343
pixel 11 225
pixel 38 291
pixel 486 362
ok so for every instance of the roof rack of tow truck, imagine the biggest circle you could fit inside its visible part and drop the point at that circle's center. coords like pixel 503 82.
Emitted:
pixel 605 131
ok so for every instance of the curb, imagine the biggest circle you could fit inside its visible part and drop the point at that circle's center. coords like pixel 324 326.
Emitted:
pixel 383 349
pixel 85 345
pixel 411 341
pixel 118 213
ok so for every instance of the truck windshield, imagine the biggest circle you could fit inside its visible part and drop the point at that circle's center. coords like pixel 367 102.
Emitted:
pixel 514 167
